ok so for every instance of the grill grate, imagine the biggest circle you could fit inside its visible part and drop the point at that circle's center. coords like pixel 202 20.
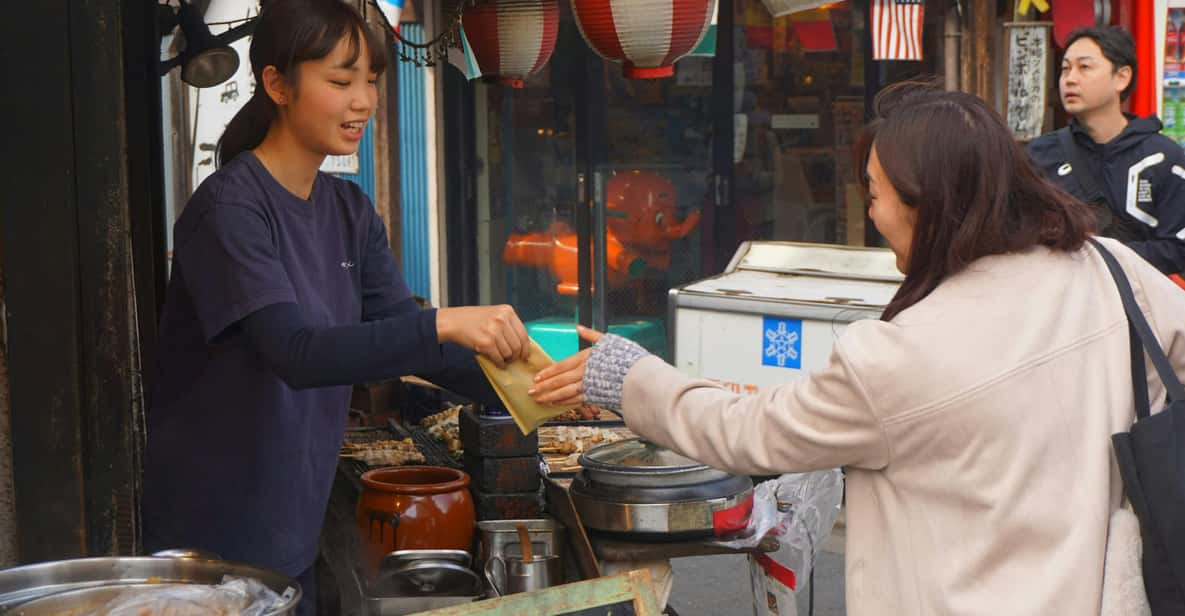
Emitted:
pixel 369 435
pixel 435 451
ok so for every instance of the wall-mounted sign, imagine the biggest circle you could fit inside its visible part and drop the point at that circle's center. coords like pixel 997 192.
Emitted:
pixel 1027 51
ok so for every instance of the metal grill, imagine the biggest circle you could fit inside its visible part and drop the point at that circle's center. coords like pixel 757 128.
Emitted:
pixel 368 435
pixel 434 450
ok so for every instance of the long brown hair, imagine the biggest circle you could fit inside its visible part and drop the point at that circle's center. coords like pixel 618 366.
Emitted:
pixel 974 188
pixel 290 32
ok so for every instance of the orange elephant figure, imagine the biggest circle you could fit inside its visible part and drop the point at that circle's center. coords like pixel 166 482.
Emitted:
pixel 641 225
pixel 555 249
pixel 640 211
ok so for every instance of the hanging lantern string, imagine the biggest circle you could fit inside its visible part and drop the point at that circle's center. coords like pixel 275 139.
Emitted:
pixel 429 52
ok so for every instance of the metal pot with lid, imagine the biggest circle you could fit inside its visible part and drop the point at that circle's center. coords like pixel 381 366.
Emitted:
pixel 427 572
pixel 637 488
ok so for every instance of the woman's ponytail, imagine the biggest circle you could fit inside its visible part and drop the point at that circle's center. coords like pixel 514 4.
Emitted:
pixel 247 129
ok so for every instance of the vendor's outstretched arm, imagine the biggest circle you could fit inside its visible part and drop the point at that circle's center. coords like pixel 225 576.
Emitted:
pixel 306 355
pixel 458 371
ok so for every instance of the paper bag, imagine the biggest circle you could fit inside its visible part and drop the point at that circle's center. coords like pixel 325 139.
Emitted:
pixel 511 384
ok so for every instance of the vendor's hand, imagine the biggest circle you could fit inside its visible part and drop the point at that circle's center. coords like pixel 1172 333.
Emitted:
pixel 562 383
pixel 493 331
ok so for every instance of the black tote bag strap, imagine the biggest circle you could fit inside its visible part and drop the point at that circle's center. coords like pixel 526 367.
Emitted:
pixel 1139 324
pixel 1139 374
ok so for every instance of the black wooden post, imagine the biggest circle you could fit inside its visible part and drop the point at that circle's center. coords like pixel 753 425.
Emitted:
pixel 40 226
pixel 68 253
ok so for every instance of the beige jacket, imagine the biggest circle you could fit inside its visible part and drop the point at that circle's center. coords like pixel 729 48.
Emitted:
pixel 975 431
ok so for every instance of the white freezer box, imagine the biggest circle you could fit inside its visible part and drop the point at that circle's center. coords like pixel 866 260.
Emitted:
pixel 776 311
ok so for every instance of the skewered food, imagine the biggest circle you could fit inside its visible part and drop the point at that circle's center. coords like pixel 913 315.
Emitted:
pixel 450 415
pixel 574 439
pixel 579 414
pixel 391 452
pixel 445 427
pixel 561 446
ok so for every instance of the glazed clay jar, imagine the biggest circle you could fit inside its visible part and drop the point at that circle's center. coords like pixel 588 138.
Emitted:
pixel 414 508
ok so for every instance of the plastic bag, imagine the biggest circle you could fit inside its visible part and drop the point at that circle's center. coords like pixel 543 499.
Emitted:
pixel 235 596
pixel 800 510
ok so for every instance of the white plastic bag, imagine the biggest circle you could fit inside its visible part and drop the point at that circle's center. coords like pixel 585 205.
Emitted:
pixel 800 510
pixel 235 596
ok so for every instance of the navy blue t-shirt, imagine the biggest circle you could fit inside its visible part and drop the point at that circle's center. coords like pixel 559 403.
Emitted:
pixel 237 460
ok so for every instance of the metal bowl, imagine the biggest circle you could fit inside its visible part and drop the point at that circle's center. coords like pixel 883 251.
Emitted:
pixel 76 586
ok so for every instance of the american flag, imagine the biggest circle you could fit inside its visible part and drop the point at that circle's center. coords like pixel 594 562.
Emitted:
pixel 897 29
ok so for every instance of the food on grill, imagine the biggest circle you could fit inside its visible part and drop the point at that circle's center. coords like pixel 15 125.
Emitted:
pixel 403 443
pixel 578 414
pixel 574 439
pixel 390 452
pixel 445 427
pixel 447 415
pixel 561 446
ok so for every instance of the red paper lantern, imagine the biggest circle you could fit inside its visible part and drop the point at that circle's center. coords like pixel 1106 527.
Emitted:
pixel 645 36
pixel 511 39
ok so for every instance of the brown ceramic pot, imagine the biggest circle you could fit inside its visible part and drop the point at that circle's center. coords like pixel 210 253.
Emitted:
pixel 414 508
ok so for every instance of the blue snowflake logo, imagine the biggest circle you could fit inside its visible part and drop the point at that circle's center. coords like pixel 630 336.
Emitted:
pixel 782 343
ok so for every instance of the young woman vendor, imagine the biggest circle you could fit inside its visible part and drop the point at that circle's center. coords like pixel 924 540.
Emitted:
pixel 284 293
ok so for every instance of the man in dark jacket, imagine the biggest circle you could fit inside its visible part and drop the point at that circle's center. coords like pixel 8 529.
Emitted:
pixel 1133 174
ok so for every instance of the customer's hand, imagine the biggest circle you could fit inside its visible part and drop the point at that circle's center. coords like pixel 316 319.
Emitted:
pixel 493 331
pixel 562 383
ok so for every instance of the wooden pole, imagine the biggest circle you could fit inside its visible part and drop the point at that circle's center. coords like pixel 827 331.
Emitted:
pixel 984 20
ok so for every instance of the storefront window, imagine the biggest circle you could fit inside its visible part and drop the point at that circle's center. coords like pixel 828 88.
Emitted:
pixel 526 192
pixel 643 153
pixel 651 189
pixel 801 102
pixel 650 166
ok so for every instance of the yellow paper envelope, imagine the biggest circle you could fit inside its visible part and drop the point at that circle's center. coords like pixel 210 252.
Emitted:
pixel 512 382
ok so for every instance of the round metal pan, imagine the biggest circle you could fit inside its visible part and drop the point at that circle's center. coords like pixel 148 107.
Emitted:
pixel 76 586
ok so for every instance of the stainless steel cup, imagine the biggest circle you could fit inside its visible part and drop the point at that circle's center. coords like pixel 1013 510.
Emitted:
pixel 513 574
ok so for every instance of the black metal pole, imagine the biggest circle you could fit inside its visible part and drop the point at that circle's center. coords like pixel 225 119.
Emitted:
pixel 720 233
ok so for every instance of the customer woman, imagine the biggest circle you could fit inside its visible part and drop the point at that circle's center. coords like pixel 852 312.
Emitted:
pixel 284 292
pixel 973 419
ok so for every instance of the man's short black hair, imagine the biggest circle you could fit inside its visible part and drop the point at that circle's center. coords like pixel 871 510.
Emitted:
pixel 1117 45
